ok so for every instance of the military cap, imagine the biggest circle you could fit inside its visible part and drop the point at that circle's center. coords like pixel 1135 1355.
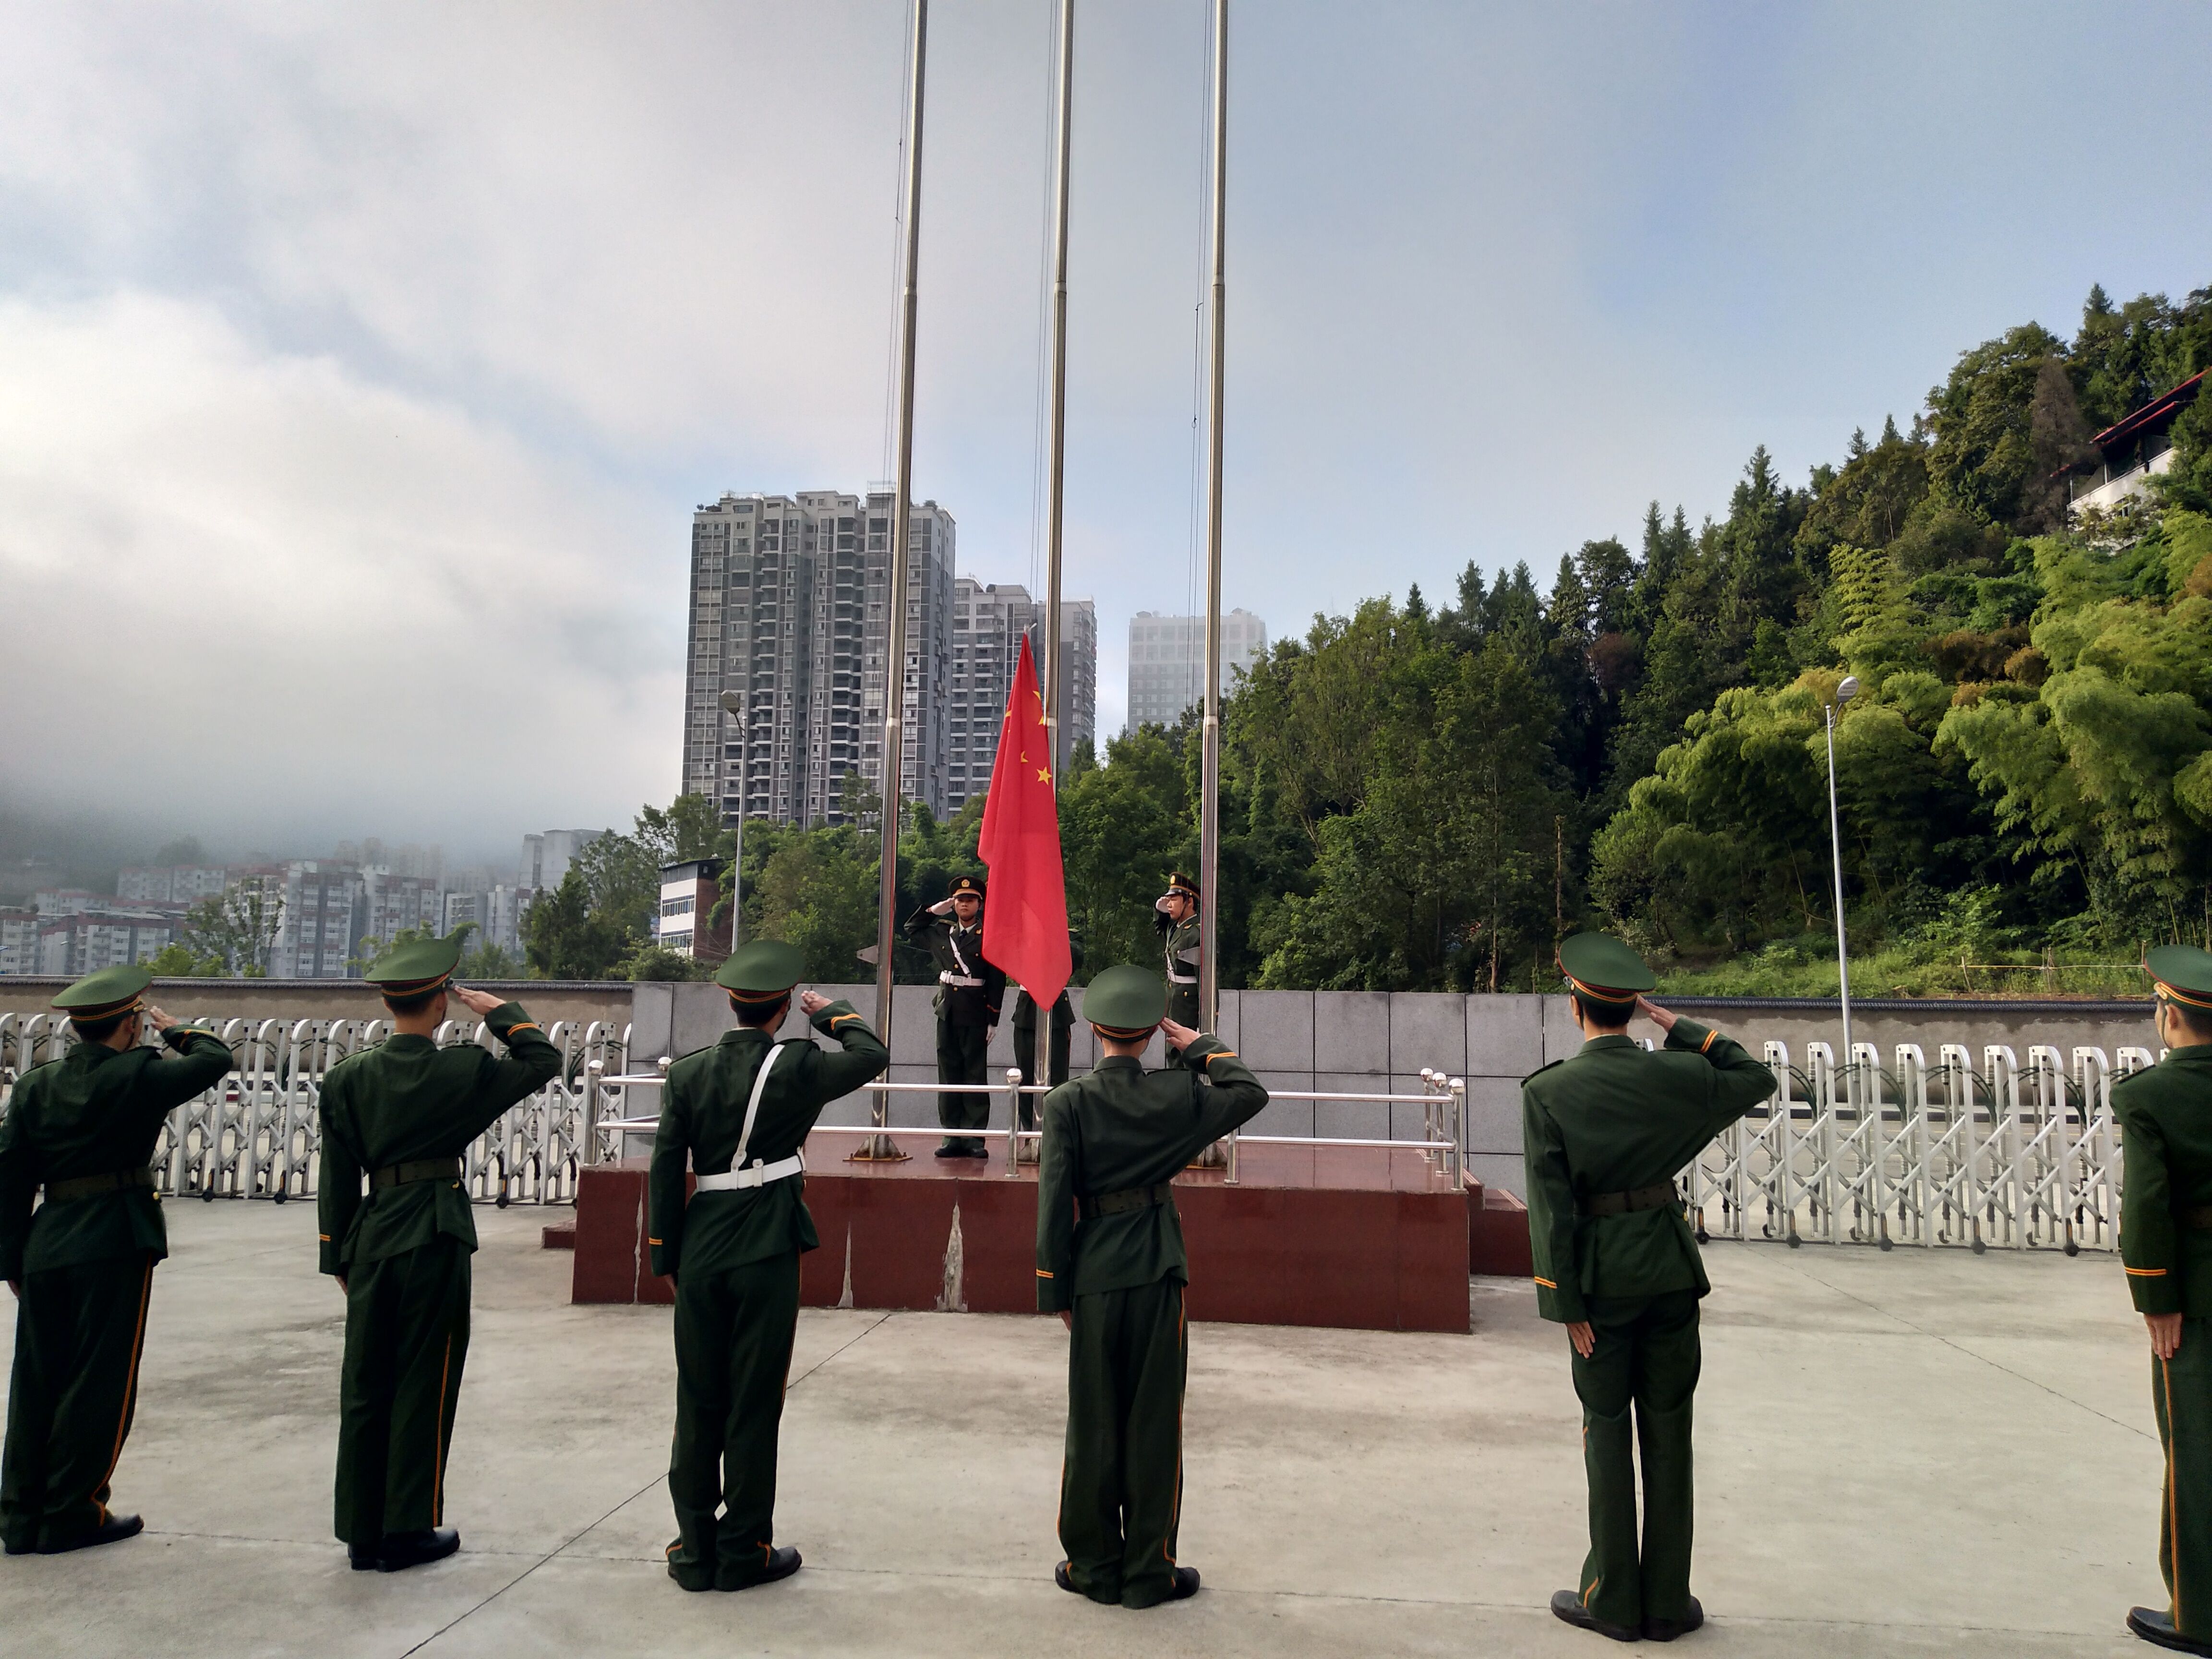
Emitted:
pixel 2182 972
pixel 1604 971
pixel 1126 1002
pixel 967 885
pixel 762 971
pixel 105 994
pixel 1179 883
pixel 418 967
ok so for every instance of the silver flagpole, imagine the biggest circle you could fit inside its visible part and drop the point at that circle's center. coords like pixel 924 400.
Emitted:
pixel 894 602
pixel 1055 467
pixel 1209 828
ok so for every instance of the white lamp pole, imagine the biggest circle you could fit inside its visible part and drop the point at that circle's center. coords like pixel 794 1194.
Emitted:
pixel 733 705
pixel 1846 690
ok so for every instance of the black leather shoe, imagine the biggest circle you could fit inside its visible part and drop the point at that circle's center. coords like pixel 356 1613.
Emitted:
pixel 113 1530
pixel 1186 1584
pixel 2158 1627
pixel 950 1149
pixel 362 1561
pixel 1060 1577
pixel 13 1548
pixel 1666 1630
pixel 1568 1606
pixel 403 1550
pixel 781 1563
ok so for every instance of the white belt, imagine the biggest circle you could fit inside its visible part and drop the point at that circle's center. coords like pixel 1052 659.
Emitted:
pixel 757 1175
pixel 948 977
pixel 1182 978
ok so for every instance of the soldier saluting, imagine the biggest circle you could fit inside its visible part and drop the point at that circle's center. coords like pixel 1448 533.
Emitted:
pixel 740 1111
pixel 969 992
pixel 1110 1263
pixel 2165 1245
pixel 1605 1134
pixel 1175 914
pixel 402 1114
pixel 81 1265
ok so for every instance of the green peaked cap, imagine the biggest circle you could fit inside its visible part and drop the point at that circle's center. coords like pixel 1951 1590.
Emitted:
pixel 1126 999
pixel 418 966
pixel 2183 972
pixel 761 970
pixel 111 991
pixel 1604 967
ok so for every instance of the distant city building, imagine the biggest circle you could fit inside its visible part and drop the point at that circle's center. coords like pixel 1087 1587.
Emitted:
pixel 788 615
pixel 19 939
pixel 988 622
pixel 494 909
pixel 546 856
pixel 184 884
pixel 1167 662
pixel 1078 676
pixel 392 904
pixel 73 945
pixel 322 919
pixel 689 893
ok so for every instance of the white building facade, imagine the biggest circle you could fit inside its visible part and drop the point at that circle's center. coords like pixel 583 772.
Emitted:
pixel 1167 662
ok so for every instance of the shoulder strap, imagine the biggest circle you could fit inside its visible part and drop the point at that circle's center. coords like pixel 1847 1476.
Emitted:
pixel 752 1105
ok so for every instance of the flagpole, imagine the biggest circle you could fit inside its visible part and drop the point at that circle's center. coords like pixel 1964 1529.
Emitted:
pixel 1209 831
pixel 880 1146
pixel 1049 692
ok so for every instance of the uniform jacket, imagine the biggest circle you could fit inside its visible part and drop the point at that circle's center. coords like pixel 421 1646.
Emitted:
pixel 959 951
pixel 1614 1119
pixel 1122 1127
pixel 2165 1140
pixel 93 1112
pixel 1180 943
pixel 404 1101
pixel 702 1112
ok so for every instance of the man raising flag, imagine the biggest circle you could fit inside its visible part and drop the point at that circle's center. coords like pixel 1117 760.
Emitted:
pixel 1025 926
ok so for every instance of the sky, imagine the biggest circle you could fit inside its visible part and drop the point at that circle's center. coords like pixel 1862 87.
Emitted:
pixel 361 367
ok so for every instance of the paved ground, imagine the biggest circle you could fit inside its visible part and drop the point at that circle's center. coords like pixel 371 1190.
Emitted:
pixel 1899 1454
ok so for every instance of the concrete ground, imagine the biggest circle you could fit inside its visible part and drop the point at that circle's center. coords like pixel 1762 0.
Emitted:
pixel 1899 1454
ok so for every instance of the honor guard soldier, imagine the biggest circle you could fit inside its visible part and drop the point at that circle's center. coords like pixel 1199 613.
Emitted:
pixel 1060 1027
pixel 81 1265
pixel 2165 1245
pixel 1605 1134
pixel 740 1111
pixel 969 992
pixel 1110 1263
pixel 402 1114
pixel 1175 912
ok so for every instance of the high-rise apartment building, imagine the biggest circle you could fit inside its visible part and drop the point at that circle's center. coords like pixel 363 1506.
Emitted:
pixel 989 620
pixel 1167 661
pixel 787 617
pixel 547 856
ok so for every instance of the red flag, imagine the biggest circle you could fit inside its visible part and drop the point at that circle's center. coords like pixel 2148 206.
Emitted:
pixel 1026 921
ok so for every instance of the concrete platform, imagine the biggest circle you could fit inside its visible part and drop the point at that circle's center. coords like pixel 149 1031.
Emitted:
pixel 1899 1454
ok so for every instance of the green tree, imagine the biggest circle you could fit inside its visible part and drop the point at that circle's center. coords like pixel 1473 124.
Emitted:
pixel 237 927
pixel 565 937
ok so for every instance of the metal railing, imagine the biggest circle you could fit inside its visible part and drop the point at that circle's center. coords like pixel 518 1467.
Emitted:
pixel 2018 1157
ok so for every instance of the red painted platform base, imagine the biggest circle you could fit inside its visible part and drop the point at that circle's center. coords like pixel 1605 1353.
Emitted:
pixel 1334 1236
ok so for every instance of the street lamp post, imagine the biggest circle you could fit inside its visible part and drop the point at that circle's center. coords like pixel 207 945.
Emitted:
pixel 733 705
pixel 1846 689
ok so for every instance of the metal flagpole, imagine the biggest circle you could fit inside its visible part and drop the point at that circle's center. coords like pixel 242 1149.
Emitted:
pixel 1209 825
pixel 894 602
pixel 1054 465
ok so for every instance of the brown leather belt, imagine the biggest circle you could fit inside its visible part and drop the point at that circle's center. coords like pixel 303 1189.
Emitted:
pixel 1644 1198
pixel 427 1169
pixel 1136 1198
pixel 92 1185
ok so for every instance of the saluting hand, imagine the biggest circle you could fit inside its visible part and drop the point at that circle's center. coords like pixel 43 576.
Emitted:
pixel 160 1020
pixel 478 1003
pixel 811 1003
pixel 942 907
pixel 1660 1016
pixel 1182 1035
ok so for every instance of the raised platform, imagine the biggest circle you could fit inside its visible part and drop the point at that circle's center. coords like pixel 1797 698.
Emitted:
pixel 1346 1237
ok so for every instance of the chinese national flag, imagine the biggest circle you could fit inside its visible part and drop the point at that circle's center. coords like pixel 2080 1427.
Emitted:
pixel 1025 922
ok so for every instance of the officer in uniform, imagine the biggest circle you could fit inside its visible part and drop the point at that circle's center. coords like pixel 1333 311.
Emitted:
pixel 402 1114
pixel 1110 1263
pixel 1605 1134
pixel 969 992
pixel 1060 1027
pixel 740 1111
pixel 81 1265
pixel 2165 1245
pixel 1175 914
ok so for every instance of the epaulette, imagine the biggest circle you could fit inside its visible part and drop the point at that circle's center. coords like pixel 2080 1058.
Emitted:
pixel 1540 1070
pixel 366 1048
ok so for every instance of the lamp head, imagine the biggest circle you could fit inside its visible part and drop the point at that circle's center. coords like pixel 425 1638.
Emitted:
pixel 732 703
pixel 1847 689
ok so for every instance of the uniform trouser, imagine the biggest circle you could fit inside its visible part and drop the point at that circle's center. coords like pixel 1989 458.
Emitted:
pixel 1121 1488
pixel 406 1340
pixel 79 1331
pixel 733 1333
pixel 1182 1009
pixel 2181 1395
pixel 1645 1359
pixel 960 1059
pixel 1025 1050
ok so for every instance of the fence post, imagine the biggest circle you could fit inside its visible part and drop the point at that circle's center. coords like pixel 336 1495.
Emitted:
pixel 1014 1121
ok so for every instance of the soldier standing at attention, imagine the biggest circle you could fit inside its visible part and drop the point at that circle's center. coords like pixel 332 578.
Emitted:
pixel 1059 1028
pixel 1110 1263
pixel 81 1265
pixel 968 991
pixel 2165 1245
pixel 1175 912
pixel 741 1111
pixel 1605 1134
pixel 402 1113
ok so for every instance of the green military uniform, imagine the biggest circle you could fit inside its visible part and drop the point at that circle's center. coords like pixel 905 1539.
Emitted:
pixel 2165 1245
pixel 969 992
pixel 734 1253
pixel 83 1127
pixel 1109 1248
pixel 1605 1134
pixel 1181 951
pixel 402 1114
